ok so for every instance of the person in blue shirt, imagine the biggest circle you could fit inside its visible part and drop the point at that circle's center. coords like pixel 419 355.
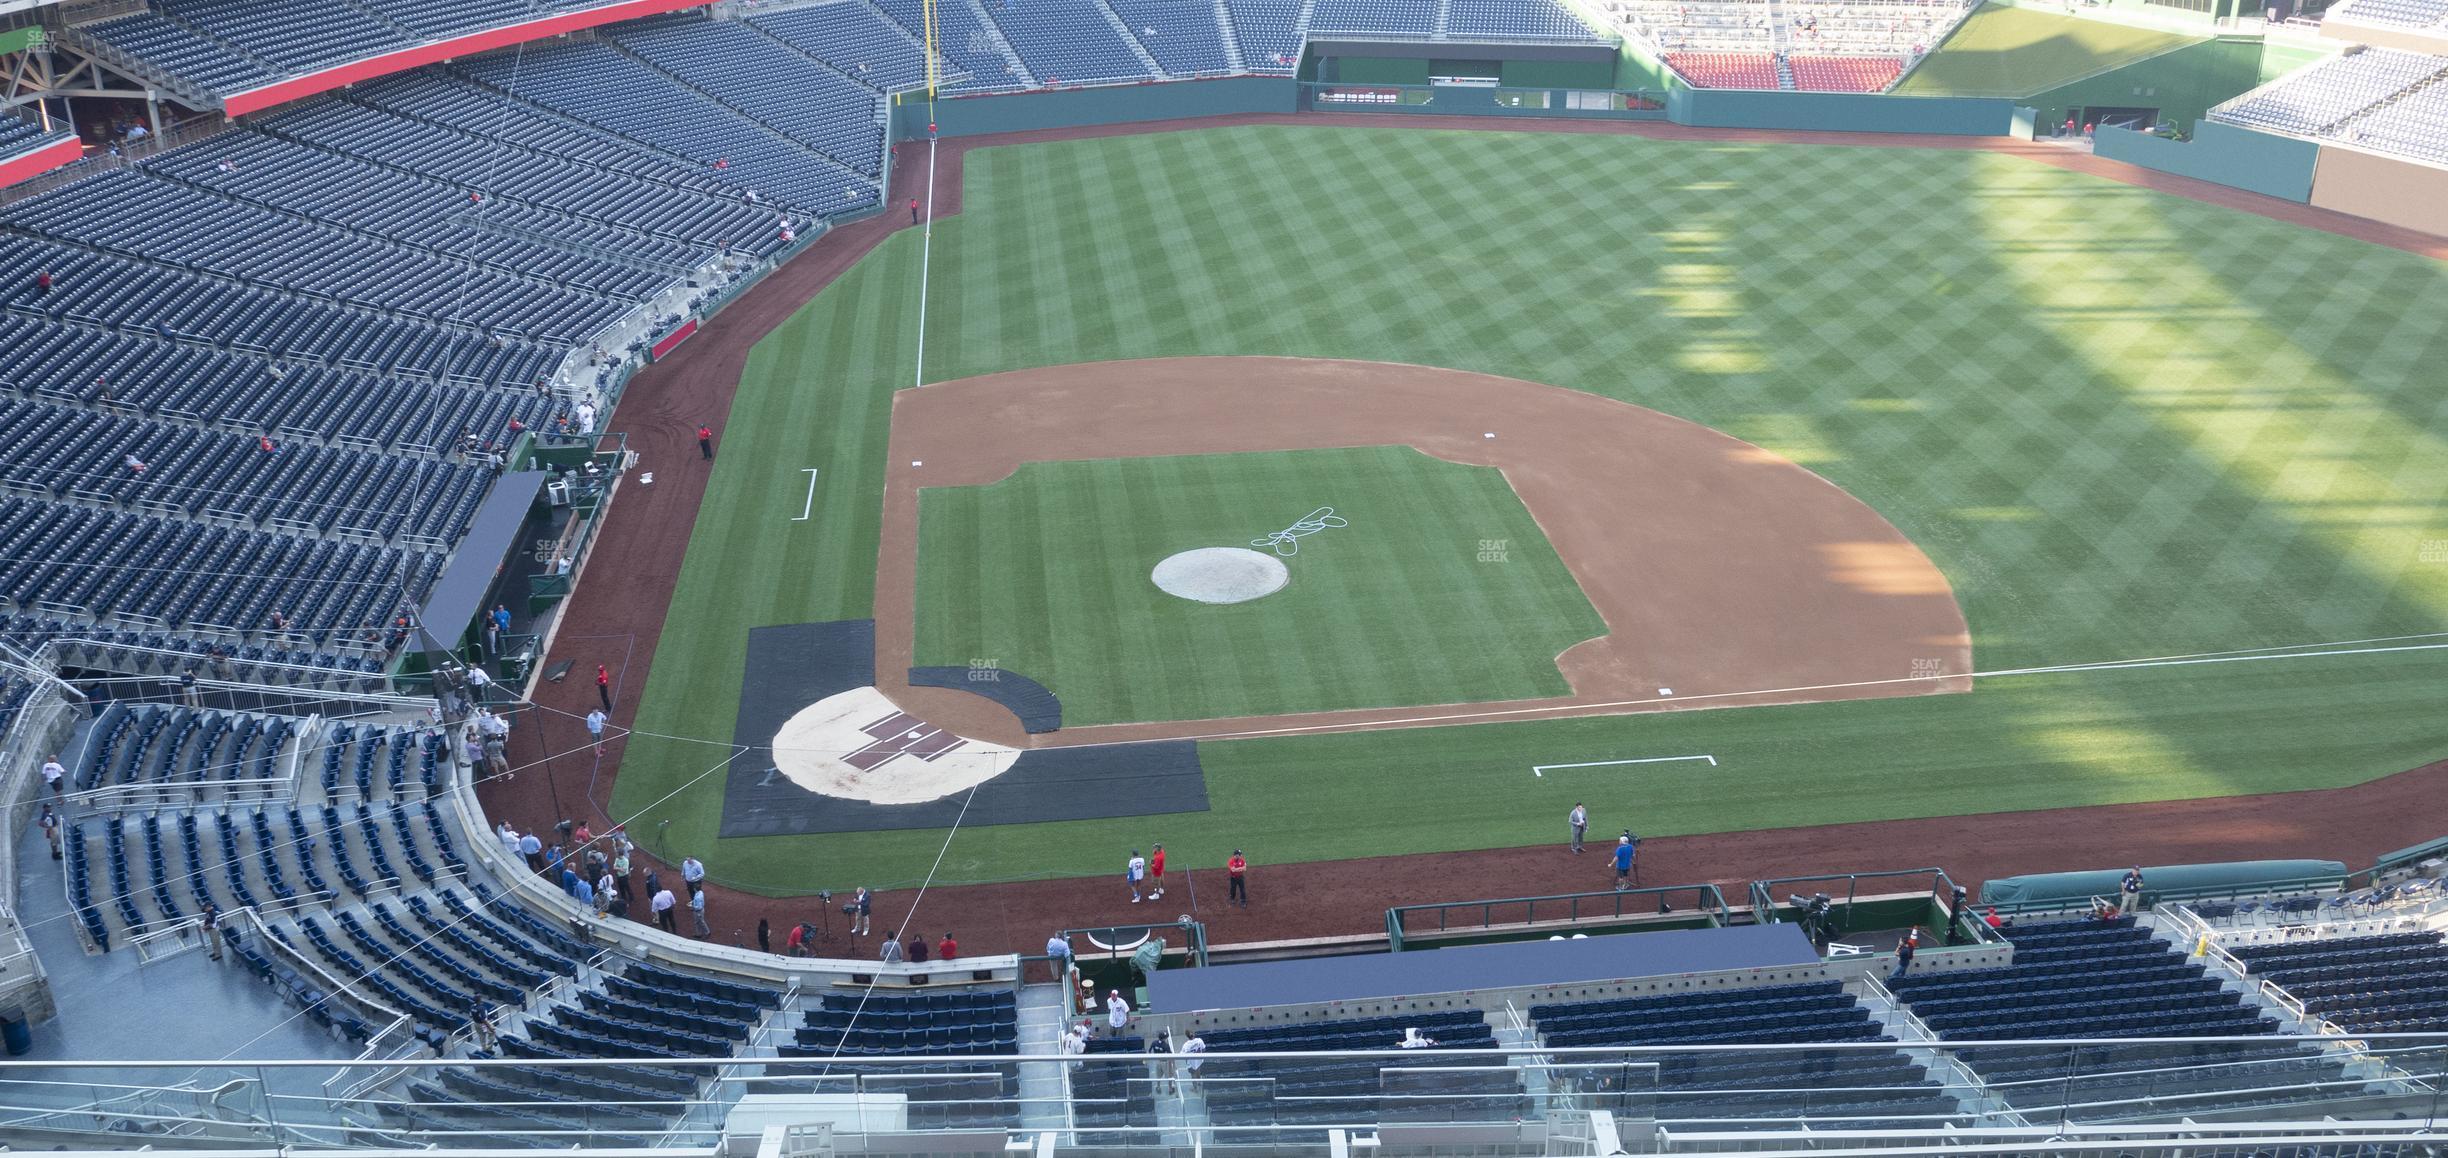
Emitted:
pixel 1624 852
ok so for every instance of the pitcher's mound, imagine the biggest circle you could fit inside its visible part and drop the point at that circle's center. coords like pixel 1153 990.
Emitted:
pixel 1221 575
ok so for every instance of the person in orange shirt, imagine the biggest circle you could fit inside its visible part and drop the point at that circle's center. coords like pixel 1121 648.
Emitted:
pixel 1238 870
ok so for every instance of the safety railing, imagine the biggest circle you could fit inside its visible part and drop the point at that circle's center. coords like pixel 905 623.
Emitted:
pixel 1673 1088
pixel 1654 905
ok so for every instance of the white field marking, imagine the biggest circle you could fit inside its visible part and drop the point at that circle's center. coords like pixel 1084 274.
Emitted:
pixel 808 507
pixel 926 265
pixel 1541 770
pixel 2240 655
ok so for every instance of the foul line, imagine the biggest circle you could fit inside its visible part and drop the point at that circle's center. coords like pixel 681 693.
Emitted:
pixel 926 253
pixel 808 507
pixel 1541 770
pixel 2240 655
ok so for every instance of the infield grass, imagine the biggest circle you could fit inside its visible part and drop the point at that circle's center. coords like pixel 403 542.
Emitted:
pixel 1046 573
pixel 2118 420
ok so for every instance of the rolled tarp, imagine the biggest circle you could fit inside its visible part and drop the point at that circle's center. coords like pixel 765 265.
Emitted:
pixel 2159 879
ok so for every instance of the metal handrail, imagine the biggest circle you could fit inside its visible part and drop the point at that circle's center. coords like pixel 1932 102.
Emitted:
pixel 1710 901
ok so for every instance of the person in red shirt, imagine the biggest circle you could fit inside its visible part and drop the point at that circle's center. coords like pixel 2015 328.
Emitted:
pixel 603 685
pixel 913 214
pixel 42 281
pixel 1155 872
pixel 947 948
pixel 1238 869
pixel 265 442
pixel 705 442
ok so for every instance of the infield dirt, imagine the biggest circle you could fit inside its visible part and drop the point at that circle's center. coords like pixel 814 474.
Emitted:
pixel 618 610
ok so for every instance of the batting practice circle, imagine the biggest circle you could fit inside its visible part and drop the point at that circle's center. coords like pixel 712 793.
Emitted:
pixel 1221 575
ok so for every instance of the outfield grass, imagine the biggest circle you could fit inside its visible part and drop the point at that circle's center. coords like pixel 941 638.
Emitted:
pixel 1046 573
pixel 2017 52
pixel 2105 413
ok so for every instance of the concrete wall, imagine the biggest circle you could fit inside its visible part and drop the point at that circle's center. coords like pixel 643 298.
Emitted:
pixel 2277 166
pixel 2383 189
pixel 1841 112
pixel 1118 104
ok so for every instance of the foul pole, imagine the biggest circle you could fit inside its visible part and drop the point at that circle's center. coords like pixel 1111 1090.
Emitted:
pixel 926 257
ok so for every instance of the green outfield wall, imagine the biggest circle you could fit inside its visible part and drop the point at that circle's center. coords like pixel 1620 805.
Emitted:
pixel 1117 104
pixel 2182 84
pixel 2277 166
pixel 1841 112
pixel 1714 108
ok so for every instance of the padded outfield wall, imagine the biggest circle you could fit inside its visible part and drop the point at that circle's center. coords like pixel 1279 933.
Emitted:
pixel 1110 105
pixel 1834 112
pixel 2224 153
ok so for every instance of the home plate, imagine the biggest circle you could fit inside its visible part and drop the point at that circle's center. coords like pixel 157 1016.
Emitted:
pixel 1541 770
pixel 858 745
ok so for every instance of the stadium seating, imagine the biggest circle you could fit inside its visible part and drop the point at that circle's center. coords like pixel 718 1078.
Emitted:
pixel 1068 44
pixel 2400 13
pixel 2311 100
pixel 1269 32
pixel 2415 125
pixel 1725 69
pixel 1382 17
pixel 1315 1090
pixel 293 35
pixel 1845 73
pixel 856 40
pixel 1185 38
pixel 2100 982
pixel 935 1023
pixel 598 84
pixel 134 213
pixel 790 93
pixel 968 46
pixel 1513 20
pixel 1698 27
pixel 182 51
pixel 1739 1090
pixel 2384 983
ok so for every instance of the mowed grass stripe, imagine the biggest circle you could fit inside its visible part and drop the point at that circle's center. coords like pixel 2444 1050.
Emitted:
pixel 2097 408
pixel 1392 610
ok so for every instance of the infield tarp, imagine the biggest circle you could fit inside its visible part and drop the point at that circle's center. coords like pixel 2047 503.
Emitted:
pixel 1613 958
pixel 2175 878
pixel 794 666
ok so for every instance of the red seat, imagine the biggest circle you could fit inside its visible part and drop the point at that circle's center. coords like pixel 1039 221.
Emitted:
pixel 1725 69
pixel 1845 73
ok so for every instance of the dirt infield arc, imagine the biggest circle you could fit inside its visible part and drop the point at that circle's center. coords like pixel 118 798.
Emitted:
pixel 1726 575
pixel 617 616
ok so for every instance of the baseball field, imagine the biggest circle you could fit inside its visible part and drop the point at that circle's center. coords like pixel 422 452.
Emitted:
pixel 2178 467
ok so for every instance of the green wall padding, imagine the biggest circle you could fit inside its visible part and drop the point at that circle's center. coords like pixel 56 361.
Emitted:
pixel 2182 84
pixel 1578 74
pixel 1377 70
pixel 1014 112
pixel 2160 879
pixel 2242 158
pixel 1840 112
